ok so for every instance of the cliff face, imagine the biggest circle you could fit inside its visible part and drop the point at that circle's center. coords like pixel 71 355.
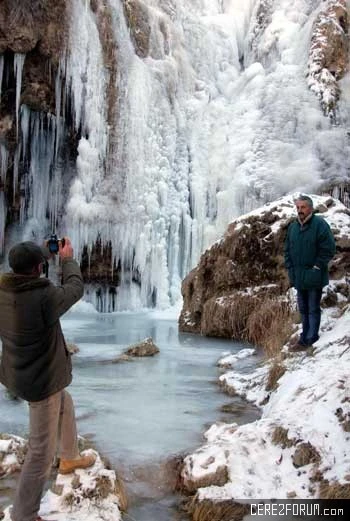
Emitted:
pixel 329 54
pixel 241 280
pixel 33 36
pixel 39 30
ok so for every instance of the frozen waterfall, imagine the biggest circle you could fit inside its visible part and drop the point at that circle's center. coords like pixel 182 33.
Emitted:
pixel 214 120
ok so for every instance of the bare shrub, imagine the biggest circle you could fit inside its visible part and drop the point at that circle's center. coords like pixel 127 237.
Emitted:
pixel 276 371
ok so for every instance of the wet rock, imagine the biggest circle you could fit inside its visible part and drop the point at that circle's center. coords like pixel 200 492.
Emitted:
pixel 145 348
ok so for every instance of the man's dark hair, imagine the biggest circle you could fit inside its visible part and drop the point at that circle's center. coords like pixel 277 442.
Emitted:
pixel 305 198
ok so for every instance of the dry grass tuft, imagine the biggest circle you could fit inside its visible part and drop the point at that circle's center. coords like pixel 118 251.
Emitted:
pixel 334 490
pixel 262 320
pixel 227 319
pixel 219 478
pixel 103 487
pixel 216 511
pixel 69 499
pixel 280 437
pixel 276 371
pixel 120 491
pixel 270 325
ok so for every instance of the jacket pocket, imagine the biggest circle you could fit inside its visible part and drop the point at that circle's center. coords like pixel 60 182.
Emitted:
pixel 312 278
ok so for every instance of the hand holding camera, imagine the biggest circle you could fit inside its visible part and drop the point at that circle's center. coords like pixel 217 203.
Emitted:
pixel 61 246
pixel 65 249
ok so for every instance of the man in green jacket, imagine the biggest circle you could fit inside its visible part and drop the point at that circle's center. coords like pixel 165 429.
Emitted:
pixel 36 366
pixel 308 248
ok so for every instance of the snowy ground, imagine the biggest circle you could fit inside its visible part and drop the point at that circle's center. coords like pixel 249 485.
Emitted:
pixel 312 402
pixel 84 495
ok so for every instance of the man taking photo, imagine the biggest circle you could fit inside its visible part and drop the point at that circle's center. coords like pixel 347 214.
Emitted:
pixel 36 366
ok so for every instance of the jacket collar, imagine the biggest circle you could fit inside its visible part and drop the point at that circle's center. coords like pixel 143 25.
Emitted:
pixel 305 221
pixel 13 282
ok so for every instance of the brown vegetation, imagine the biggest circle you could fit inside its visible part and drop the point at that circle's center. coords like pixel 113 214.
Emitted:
pixel 270 325
pixel 262 320
pixel 280 437
pixel 276 371
pixel 334 490
pixel 304 454
pixel 216 510
pixel 218 478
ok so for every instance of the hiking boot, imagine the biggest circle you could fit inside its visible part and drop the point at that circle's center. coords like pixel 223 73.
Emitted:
pixel 298 347
pixel 67 466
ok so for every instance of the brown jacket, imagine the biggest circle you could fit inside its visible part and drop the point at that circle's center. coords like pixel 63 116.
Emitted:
pixel 35 362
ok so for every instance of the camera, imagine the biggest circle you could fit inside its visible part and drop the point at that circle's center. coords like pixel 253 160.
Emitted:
pixel 53 243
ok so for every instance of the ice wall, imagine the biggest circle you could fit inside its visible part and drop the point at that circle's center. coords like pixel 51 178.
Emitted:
pixel 215 120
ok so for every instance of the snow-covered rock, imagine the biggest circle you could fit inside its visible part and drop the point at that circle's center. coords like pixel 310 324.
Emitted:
pixel 94 494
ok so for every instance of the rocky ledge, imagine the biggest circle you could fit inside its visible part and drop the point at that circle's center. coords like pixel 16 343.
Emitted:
pixel 241 279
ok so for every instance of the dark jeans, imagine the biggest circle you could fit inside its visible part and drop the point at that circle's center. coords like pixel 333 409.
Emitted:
pixel 310 310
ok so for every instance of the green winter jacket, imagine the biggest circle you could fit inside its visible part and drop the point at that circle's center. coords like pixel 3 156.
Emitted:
pixel 35 362
pixel 308 247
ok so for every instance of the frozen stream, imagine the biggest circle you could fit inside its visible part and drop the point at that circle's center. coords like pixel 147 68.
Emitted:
pixel 140 413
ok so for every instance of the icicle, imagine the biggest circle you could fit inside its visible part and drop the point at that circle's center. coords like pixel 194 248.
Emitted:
pixel 2 221
pixel 58 96
pixel 25 128
pixel 1 71
pixel 18 66
pixel 4 155
pixel 15 171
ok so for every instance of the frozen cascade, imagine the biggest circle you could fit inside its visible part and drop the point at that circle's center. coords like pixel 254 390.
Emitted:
pixel 213 120
pixel 2 221
pixel 3 172
pixel 18 68
pixel 41 185
pixel 1 71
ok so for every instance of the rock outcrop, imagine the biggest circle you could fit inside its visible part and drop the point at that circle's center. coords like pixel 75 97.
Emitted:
pixel 329 53
pixel 238 290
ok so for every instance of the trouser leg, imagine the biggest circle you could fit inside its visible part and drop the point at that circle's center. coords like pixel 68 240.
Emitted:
pixel 314 307
pixel 68 443
pixel 46 418
pixel 303 305
pixel 43 424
